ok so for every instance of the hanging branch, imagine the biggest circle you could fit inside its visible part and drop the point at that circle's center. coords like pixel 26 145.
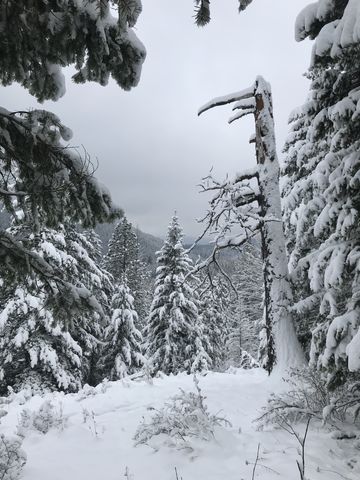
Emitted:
pixel 202 12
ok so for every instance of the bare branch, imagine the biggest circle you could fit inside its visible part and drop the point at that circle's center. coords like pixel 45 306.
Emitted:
pixel 256 462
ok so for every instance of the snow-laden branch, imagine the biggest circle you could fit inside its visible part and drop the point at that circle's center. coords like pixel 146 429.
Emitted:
pixel 248 174
pixel 53 179
pixel 226 99
pixel 12 252
pixel 240 115
pixel 245 103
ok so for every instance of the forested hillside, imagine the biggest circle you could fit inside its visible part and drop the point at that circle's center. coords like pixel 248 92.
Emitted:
pixel 125 354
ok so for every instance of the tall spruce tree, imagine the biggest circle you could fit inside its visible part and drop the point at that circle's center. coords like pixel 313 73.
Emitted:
pixel 122 353
pixel 321 191
pixel 43 341
pixel 174 332
pixel 214 320
pixel 123 253
pixel 245 310
pixel 123 260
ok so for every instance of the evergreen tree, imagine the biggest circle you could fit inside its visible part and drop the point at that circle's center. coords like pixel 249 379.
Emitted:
pixel 122 353
pixel 245 310
pixel 95 245
pixel 321 191
pixel 43 340
pixel 174 333
pixel 213 312
pixel 123 253
pixel 123 260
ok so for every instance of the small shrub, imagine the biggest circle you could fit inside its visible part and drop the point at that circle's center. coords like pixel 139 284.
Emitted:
pixel 307 397
pixel 89 418
pixel 42 420
pixel 88 391
pixel 12 458
pixel 183 417
pixel 247 362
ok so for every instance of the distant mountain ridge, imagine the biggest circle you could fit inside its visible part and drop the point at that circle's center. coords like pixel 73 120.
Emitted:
pixel 149 244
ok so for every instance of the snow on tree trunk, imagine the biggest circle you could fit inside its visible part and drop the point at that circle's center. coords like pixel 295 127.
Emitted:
pixel 278 293
pixel 282 346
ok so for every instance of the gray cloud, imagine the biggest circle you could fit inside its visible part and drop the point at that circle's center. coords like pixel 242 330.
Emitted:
pixel 152 147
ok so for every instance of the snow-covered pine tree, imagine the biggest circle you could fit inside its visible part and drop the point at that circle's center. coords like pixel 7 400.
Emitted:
pixel 212 308
pixel 85 248
pixel 123 260
pixel 121 355
pixel 175 338
pixel 95 245
pixel 43 340
pixel 321 191
pixel 123 253
pixel 245 310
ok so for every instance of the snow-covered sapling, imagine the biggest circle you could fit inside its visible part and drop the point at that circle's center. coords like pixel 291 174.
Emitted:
pixel 307 396
pixel 89 418
pixel 184 417
pixel 43 419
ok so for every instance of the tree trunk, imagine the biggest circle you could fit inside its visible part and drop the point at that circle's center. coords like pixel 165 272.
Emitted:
pixel 283 347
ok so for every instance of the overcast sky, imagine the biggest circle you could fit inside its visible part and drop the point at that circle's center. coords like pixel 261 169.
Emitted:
pixel 152 148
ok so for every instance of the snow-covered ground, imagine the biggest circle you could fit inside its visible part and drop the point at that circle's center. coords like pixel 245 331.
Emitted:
pixel 103 448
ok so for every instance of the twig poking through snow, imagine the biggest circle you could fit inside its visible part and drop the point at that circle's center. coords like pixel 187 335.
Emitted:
pixel 256 462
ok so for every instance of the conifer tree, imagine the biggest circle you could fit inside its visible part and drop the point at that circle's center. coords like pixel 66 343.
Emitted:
pixel 43 340
pixel 123 260
pixel 122 353
pixel 174 333
pixel 213 309
pixel 321 191
pixel 122 253
pixel 245 311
